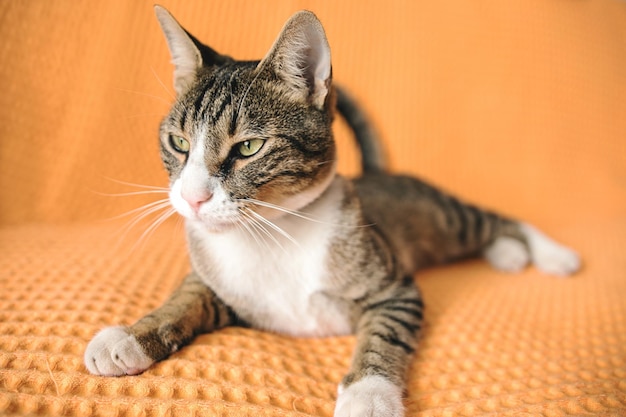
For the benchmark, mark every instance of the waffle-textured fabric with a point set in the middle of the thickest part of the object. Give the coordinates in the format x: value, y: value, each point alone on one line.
x: 516, y: 106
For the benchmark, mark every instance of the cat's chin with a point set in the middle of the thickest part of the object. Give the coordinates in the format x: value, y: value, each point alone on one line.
x: 218, y: 229
x: 212, y: 226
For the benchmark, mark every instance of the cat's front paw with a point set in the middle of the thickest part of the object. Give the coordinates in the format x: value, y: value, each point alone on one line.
x: 372, y: 396
x: 114, y: 352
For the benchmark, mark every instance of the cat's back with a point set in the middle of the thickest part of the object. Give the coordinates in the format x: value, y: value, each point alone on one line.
x: 391, y: 199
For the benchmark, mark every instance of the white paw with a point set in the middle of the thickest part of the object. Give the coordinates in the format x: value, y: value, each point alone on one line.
x: 114, y: 352
x: 507, y: 254
x: 548, y: 255
x: 372, y: 396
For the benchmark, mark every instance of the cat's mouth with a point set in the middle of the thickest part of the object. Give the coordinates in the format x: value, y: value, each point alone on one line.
x: 218, y: 226
x: 214, y: 210
x: 255, y: 218
x: 218, y: 212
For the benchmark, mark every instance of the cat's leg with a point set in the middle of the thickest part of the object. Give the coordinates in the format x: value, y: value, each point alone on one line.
x: 386, y: 339
x: 429, y: 226
x: 193, y: 308
x: 507, y: 244
x: 515, y: 244
x: 548, y: 255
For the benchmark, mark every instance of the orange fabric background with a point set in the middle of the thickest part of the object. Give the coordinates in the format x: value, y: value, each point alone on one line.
x: 517, y: 106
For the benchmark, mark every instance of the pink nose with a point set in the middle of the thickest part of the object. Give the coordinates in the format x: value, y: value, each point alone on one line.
x: 196, y: 199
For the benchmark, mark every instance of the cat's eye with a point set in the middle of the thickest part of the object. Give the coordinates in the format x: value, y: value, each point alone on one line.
x: 250, y: 147
x: 179, y: 144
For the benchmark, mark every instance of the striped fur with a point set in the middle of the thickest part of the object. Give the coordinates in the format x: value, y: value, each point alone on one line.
x: 279, y: 241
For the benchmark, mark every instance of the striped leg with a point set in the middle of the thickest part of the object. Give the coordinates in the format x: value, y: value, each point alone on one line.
x: 386, y: 338
x: 192, y: 309
x: 508, y: 245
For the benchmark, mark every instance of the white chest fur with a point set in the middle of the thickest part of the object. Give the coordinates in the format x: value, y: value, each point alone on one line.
x: 274, y: 282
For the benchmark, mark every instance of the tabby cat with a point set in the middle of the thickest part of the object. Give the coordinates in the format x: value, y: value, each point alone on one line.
x: 279, y: 241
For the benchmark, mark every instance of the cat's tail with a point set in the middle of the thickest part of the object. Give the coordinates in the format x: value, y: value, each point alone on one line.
x: 372, y: 154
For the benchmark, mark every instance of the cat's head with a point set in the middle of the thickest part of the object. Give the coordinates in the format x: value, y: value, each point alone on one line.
x: 245, y: 135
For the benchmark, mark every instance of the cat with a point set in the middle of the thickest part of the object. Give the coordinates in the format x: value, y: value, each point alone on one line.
x: 279, y: 241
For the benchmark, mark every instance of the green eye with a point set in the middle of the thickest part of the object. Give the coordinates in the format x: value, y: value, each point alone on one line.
x: 250, y: 147
x: 179, y: 144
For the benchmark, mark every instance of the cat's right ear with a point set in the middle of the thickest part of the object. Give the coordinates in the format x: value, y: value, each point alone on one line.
x: 301, y: 58
x: 188, y: 54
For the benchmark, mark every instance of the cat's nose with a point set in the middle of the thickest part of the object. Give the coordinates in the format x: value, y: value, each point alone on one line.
x: 196, y: 199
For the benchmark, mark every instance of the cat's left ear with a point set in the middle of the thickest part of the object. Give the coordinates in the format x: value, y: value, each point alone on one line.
x: 188, y: 54
x: 301, y: 58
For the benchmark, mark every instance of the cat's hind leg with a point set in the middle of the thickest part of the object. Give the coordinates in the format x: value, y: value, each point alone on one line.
x: 193, y: 308
x: 512, y: 254
x: 507, y: 244
x: 548, y: 255
x: 507, y: 254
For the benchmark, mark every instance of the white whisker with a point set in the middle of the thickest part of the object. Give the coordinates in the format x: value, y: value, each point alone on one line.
x: 165, y: 191
x: 155, y: 224
x: 140, y: 214
x: 258, y: 226
x: 252, y: 231
x: 143, y: 213
x: 163, y: 203
x: 281, y: 209
x: 149, y: 209
x: 132, y: 184
x: 274, y: 227
x: 179, y: 225
x: 330, y: 161
x: 295, y: 213
x: 159, y: 211
x: 169, y: 93
x: 288, y: 211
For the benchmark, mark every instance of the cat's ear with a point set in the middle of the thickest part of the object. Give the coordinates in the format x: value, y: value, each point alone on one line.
x: 188, y: 54
x: 301, y: 58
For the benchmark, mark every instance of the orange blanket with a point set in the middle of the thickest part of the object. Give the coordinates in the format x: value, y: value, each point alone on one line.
x: 520, y: 107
